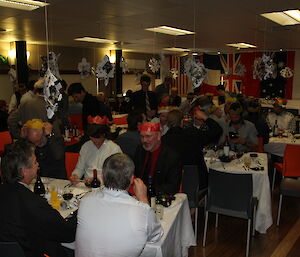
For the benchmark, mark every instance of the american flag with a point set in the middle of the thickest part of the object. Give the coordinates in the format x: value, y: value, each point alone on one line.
x: 232, y: 82
x: 181, y: 82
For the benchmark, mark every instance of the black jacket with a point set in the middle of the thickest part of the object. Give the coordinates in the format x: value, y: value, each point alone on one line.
x: 138, y: 101
x: 167, y: 173
x: 28, y: 219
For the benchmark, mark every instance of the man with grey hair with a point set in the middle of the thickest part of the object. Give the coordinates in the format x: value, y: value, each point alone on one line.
x: 110, y: 221
x: 25, y: 217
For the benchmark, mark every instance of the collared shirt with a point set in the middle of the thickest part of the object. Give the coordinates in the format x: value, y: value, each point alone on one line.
x: 27, y: 96
x: 247, y: 131
x: 112, y: 223
x: 25, y: 185
x: 285, y: 120
x: 93, y: 158
x: 154, y: 157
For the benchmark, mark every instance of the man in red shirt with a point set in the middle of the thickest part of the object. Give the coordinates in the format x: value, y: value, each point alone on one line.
x: 156, y: 161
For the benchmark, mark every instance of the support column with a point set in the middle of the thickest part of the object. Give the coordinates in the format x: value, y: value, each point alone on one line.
x: 21, y: 62
x: 119, y: 74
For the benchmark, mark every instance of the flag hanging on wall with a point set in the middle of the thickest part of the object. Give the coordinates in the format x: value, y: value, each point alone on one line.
x: 182, y: 81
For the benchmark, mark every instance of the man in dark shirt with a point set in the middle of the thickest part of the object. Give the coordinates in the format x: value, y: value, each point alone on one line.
x: 90, y: 104
x: 145, y: 100
x: 156, y: 161
x: 25, y: 217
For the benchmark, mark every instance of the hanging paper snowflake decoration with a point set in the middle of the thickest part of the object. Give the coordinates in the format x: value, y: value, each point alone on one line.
x: 52, y: 64
x: 240, y: 69
x: 84, y: 68
x: 263, y: 67
x: 105, y: 70
x: 52, y: 93
x: 154, y: 65
x: 174, y: 73
x: 124, y: 65
x: 196, y: 71
x: 286, y: 72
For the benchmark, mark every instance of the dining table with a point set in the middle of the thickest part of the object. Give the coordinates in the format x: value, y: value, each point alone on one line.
x: 176, y: 221
x: 277, y: 145
x: 257, y: 165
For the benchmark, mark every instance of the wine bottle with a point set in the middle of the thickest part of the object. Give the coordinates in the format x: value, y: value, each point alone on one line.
x: 39, y: 187
x: 275, y: 129
x: 226, y: 147
x: 151, y: 192
x: 75, y: 131
x: 95, y: 182
x: 67, y: 134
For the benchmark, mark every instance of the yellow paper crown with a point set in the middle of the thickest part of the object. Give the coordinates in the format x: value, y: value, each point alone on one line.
x: 35, y: 124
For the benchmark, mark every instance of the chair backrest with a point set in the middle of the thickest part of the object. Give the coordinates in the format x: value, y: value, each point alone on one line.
x: 229, y: 193
x: 5, y: 138
x: 76, y: 119
x: 291, y: 167
x: 71, y: 160
x: 190, y: 183
x: 11, y: 249
x: 120, y: 119
x: 260, y: 148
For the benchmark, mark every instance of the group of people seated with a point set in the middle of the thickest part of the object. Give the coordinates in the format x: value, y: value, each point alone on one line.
x: 161, y: 139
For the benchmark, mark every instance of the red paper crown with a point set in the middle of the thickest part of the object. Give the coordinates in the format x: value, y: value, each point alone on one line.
x: 149, y: 127
x: 97, y: 120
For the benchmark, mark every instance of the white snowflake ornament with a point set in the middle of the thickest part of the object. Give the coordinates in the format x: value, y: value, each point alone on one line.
x: 105, y: 70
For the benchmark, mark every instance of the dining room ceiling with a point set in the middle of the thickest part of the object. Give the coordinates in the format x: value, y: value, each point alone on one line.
x: 215, y: 22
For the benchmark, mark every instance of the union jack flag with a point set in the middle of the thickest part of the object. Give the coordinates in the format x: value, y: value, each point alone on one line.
x: 231, y: 78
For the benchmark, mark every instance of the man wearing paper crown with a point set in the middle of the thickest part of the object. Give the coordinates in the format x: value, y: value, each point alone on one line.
x: 242, y: 134
x: 49, y: 147
x: 156, y: 162
x: 94, y: 152
x: 285, y: 120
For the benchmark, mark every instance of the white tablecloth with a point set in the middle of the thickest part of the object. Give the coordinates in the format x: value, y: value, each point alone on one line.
x: 277, y: 145
x: 261, y: 186
x: 177, y: 225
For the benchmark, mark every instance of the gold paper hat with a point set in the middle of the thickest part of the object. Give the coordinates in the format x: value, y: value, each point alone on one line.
x: 34, y: 123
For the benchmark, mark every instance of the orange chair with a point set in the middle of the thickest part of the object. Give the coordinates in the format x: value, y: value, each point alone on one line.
x: 289, y: 167
x: 5, y: 138
x: 120, y: 120
x: 76, y: 119
x: 260, y: 147
x: 70, y: 162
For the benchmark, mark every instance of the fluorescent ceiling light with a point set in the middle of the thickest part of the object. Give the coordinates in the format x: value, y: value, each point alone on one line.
x: 295, y: 14
x: 96, y: 40
x: 241, y: 45
x: 281, y: 18
x: 170, y: 31
x: 26, y: 5
x: 177, y: 49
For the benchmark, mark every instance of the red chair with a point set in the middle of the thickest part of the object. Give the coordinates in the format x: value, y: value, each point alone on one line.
x: 5, y: 138
x: 260, y: 147
x: 71, y: 160
x: 76, y: 119
x: 289, y: 167
x: 120, y: 120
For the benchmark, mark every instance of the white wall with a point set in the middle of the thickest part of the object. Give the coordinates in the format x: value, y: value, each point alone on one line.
x: 296, y: 78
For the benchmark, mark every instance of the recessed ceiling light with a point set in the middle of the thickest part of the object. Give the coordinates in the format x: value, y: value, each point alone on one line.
x: 96, y: 40
x: 26, y: 5
x: 171, y: 31
x: 177, y: 49
x: 295, y: 14
x: 241, y: 45
x: 281, y: 18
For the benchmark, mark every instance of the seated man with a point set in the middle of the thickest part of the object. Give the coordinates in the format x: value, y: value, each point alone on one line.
x: 186, y: 105
x: 245, y: 134
x: 25, y: 217
x: 94, y: 152
x: 285, y: 120
x: 162, y: 118
x: 131, y: 139
x: 110, y: 221
x: 49, y: 147
x: 152, y: 159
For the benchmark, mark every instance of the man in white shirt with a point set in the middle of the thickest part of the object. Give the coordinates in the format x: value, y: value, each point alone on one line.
x: 94, y: 152
x: 110, y: 221
x: 163, y: 118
